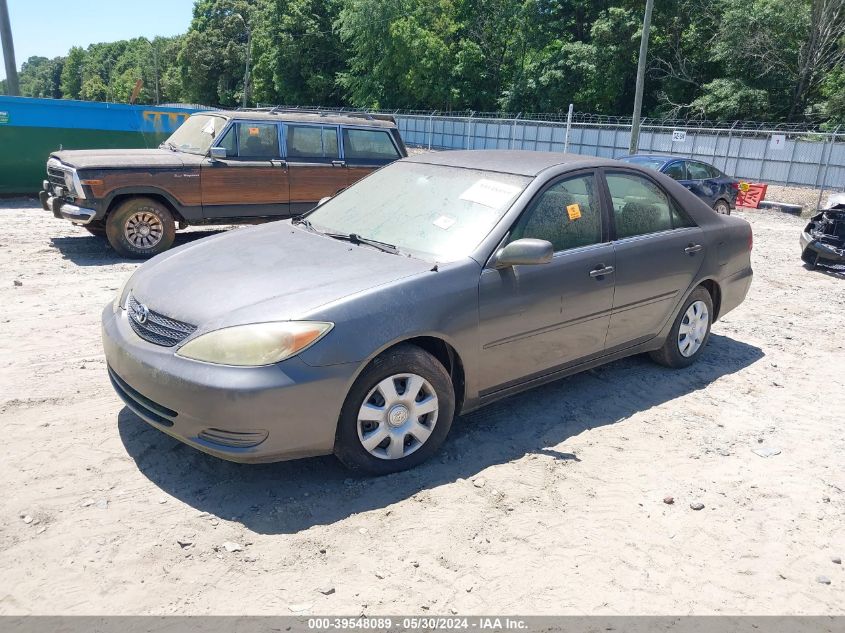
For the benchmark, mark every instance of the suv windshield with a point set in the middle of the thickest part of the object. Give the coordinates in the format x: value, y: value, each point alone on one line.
x: 430, y: 211
x: 196, y: 134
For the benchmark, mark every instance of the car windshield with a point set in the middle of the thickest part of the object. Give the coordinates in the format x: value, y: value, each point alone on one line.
x: 196, y: 134
x: 644, y: 161
x: 433, y: 212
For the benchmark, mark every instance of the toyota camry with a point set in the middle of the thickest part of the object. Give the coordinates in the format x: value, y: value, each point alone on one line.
x: 433, y: 287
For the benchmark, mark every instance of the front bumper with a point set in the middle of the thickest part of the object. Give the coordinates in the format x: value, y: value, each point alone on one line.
x: 825, y: 252
x: 65, y: 210
x: 242, y: 414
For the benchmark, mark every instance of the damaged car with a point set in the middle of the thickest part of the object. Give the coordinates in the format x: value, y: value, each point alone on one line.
x: 823, y: 239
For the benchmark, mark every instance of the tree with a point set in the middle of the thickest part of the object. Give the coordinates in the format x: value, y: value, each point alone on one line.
x: 71, y: 79
x: 297, y: 53
x: 41, y: 77
x: 213, y: 54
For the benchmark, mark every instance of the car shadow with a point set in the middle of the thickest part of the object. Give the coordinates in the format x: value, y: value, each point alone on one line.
x: 288, y: 497
x: 831, y: 270
x: 91, y: 250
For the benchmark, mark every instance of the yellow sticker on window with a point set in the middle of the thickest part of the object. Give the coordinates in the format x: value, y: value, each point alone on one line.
x: 254, y: 131
x: 574, y: 211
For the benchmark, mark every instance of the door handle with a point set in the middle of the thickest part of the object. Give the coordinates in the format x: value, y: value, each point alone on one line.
x: 601, y: 271
x: 692, y: 249
x: 279, y: 163
x: 338, y: 163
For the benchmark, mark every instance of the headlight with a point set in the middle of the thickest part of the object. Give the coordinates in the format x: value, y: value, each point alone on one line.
x: 73, y: 184
x: 118, y: 302
x: 255, y: 344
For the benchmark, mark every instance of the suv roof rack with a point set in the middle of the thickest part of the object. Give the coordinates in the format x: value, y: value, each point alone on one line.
x: 322, y: 112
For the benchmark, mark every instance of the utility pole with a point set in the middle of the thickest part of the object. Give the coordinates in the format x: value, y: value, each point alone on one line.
x: 641, y: 66
x: 8, y: 51
x: 155, y: 65
x: 248, y: 53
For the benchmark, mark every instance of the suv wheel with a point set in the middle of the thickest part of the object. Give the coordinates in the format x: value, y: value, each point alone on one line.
x: 722, y: 207
x: 689, y: 333
x: 140, y: 228
x: 397, y: 414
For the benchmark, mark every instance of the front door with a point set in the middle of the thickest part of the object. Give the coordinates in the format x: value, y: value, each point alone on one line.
x: 658, y: 253
x: 316, y: 170
x: 252, y: 181
x: 535, y: 319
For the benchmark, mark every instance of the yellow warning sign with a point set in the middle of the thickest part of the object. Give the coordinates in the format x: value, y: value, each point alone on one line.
x: 744, y: 186
x: 574, y: 211
x: 254, y: 131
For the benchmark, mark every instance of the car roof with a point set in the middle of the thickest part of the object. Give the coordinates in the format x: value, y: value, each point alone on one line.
x: 352, y: 119
x: 664, y: 157
x: 520, y: 162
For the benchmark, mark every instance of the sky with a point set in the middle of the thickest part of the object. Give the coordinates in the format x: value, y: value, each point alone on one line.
x: 50, y: 27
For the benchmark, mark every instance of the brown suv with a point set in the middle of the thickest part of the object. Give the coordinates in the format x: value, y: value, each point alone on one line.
x: 219, y: 167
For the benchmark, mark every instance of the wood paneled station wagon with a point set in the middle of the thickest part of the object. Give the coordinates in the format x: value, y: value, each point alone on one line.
x: 219, y: 167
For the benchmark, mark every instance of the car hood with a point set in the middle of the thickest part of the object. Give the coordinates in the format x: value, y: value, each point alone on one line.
x: 276, y: 271
x: 125, y: 158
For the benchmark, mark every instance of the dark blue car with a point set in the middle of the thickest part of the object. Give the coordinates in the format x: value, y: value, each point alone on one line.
x: 708, y: 183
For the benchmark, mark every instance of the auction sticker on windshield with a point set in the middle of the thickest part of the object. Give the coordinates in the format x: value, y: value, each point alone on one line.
x: 490, y: 193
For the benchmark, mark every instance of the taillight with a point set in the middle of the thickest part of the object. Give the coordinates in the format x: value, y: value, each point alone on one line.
x: 734, y: 185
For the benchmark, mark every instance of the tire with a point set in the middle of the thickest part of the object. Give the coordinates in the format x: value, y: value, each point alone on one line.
x: 140, y: 228
x: 722, y: 207
x: 677, y: 352
x: 97, y: 230
x: 369, y: 414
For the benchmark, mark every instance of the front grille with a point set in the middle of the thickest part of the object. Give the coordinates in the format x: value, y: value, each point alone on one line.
x: 157, y: 328
x: 56, y: 177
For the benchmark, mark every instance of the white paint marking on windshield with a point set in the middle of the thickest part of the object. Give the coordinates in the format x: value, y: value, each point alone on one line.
x: 490, y: 193
x: 208, y: 128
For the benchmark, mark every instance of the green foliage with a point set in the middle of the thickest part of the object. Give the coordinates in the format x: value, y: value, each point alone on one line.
x: 721, y: 59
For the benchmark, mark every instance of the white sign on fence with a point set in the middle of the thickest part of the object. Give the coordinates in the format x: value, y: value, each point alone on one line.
x: 679, y: 136
x: 778, y: 141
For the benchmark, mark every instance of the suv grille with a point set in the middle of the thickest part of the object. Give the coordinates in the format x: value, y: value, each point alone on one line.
x: 157, y: 328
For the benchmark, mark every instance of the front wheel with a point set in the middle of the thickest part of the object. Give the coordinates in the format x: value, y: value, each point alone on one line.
x: 140, y: 228
x: 689, y: 333
x: 722, y: 207
x: 397, y: 414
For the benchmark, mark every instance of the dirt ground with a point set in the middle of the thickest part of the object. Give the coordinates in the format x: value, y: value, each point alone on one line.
x: 549, y: 502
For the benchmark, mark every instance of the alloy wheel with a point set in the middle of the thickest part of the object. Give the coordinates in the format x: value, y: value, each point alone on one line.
x: 143, y: 229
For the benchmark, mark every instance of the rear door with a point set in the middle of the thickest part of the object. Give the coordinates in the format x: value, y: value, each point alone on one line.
x: 536, y: 319
x: 315, y: 167
x: 252, y: 181
x: 701, y: 182
x: 658, y: 250
x: 367, y: 149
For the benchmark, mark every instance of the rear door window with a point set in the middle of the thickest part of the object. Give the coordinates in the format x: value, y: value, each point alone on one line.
x: 640, y: 207
x: 311, y: 143
x: 368, y: 146
x: 698, y: 171
x: 676, y: 170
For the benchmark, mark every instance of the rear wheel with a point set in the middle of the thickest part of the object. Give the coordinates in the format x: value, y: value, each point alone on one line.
x: 397, y: 414
x: 722, y: 207
x: 141, y: 228
x: 689, y: 333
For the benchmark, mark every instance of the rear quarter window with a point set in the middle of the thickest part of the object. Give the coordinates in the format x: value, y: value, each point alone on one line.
x: 369, y: 145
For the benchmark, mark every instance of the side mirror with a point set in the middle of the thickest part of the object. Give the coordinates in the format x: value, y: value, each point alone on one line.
x: 323, y: 201
x: 525, y: 252
x: 218, y: 152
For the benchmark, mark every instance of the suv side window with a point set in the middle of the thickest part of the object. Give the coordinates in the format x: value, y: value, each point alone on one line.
x: 567, y: 214
x: 676, y: 170
x: 368, y: 145
x: 312, y: 143
x: 640, y: 207
x: 258, y: 140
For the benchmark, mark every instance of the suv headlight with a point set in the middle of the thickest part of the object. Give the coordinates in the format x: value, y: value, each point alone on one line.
x: 73, y: 185
x: 256, y: 344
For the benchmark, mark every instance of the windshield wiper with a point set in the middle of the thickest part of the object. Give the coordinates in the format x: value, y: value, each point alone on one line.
x: 169, y: 146
x: 354, y: 238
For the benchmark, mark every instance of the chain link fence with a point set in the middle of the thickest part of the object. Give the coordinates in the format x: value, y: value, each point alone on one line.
x: 785, y: 154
